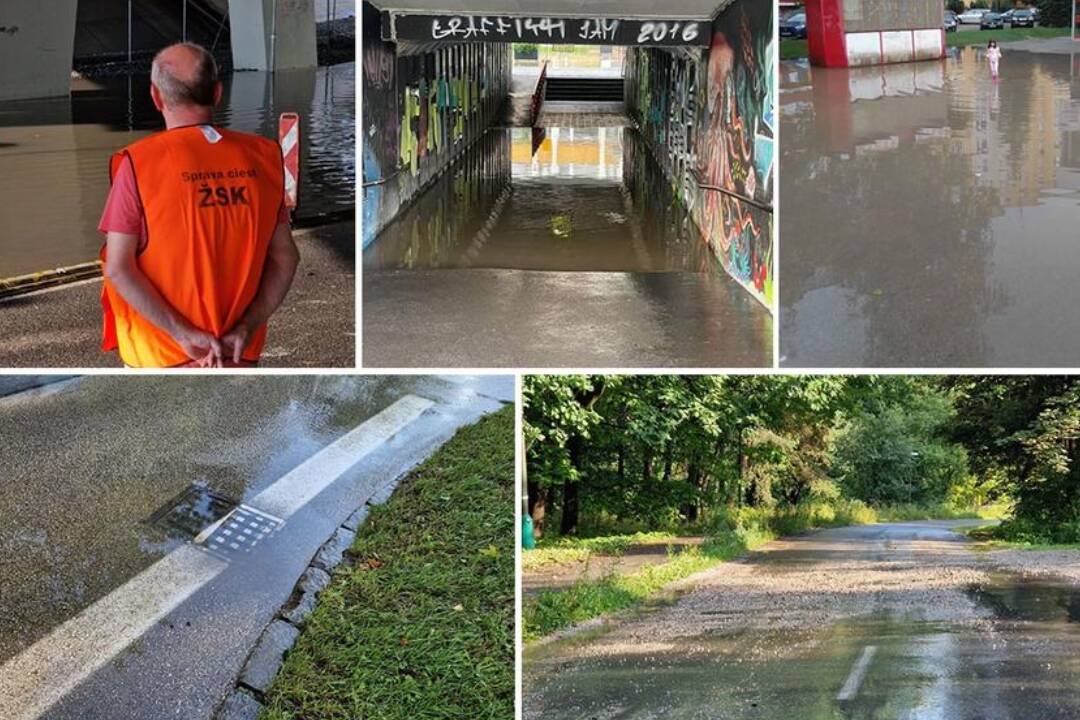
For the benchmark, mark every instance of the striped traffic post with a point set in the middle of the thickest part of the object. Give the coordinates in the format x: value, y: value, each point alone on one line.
x: 289, y: 139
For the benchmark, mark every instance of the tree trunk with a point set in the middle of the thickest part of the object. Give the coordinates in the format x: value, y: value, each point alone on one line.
x: 570, y: 509
x: 692, y: 477
x: 538, y: 497
x: 571, y: 490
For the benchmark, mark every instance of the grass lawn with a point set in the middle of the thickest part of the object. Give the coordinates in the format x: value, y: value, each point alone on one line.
x: 963, y: 39
x: 422, y: 626
x: 571, y: 549
x: 554, y: 610
x: 796, y: 49
x: 992, y: 537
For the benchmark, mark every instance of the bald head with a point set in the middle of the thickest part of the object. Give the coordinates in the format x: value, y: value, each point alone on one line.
x: 186, y: 75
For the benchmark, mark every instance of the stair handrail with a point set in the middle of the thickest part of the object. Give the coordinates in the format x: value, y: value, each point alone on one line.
x: 538, y: 94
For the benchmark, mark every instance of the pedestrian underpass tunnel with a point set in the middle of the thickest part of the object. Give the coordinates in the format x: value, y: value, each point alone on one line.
x: 568, y: 136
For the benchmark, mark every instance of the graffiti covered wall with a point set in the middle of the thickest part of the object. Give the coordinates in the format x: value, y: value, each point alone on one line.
x: 709, y: 119
x: 422, y: 107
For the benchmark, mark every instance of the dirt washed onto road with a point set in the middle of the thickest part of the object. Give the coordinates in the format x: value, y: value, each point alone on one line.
x: 1062, y: 564
x: 812, y: 581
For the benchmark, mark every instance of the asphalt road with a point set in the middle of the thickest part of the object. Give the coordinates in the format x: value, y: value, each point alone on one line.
x: 108, y: 612
x: 883, y: 622
x: 492, y: 318
x: 314, y: 328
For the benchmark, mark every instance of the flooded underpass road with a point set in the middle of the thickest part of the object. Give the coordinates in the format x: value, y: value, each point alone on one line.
x: 929, y: 213
x: 880, y: 622
x: 110, y: 607
x: 575, y: 254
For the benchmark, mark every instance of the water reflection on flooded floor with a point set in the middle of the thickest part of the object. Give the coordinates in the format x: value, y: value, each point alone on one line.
x: 929, y: 212
x: 54, y: 153
x: 583, y: 201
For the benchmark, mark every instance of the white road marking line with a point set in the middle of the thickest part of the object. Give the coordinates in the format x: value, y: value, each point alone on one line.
x: 857, y: 674
x: 297, y: 487
x: 40, y: 676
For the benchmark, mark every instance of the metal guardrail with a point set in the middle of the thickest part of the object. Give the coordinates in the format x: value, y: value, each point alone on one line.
x: 380, y: 181
x: 738, y: 196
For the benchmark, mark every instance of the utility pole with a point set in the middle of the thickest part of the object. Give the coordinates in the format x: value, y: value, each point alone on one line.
x: 273, y: 38
x: 129, y: 30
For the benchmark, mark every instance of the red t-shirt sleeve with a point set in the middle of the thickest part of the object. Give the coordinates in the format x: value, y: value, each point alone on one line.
x: 123, y: 211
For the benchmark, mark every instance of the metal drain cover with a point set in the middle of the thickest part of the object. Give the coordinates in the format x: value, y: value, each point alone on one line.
x: 239, y: 531
x: 191, y: 512
x: 213, y: 521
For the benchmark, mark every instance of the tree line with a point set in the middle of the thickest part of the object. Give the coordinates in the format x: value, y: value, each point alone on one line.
x: 657, y: 451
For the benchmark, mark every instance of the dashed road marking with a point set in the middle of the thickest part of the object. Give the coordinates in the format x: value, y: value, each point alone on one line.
x: 857, y: 674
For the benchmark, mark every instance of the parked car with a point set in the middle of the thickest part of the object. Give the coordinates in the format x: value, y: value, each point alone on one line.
x: 794, y: 26
x: 950, y: 21
x: 1007, y: 15
x: 1023, y: 18
x: 972, y: 16
x: 991, y: 21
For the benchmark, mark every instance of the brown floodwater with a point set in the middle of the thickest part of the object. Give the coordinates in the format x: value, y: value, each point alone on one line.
x: 928, y: 213
x: 587, y: 200
x: 54, y: 153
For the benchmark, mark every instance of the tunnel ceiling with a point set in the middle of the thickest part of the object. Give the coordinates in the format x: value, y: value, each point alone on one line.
x: 629, y: 9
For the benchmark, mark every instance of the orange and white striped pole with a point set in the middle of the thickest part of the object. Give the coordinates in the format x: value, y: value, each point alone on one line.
x: 289, y: 139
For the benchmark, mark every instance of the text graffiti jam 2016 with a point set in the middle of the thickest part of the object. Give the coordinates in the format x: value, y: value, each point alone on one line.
x: 576, y: 31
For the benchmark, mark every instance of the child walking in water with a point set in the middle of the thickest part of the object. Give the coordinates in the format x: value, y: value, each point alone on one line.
x: 993, y: 54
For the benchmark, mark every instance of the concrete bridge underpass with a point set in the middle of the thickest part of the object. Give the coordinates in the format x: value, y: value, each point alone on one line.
x: 40, y: 39
x: 536, y: 205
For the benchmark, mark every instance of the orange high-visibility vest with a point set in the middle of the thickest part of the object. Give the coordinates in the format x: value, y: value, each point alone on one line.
x: 211, y: 199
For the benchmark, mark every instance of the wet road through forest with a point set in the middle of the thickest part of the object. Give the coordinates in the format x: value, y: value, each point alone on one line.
x: 575, y: 255
x: 880, y: 622
x: 929, y: 213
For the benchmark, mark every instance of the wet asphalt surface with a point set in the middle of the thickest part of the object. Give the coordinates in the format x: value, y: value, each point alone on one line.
x: 888, y: 622
x: 552, y: 260
x: 315, y: 327
x: 89, y: 462
x: 928, y: 212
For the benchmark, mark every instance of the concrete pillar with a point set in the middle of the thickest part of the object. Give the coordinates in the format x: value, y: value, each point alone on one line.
x: 849, y: 33
x: 252, y: 23
x: 37, y: 43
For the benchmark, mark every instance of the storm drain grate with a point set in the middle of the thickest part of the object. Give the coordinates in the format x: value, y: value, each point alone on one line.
x: 213, y: 521
x: 192, y: 511
x: 239, y: 531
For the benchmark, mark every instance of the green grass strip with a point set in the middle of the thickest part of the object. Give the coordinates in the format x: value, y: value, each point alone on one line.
x: 554, y: 610
x: 567, y: 550
x: 963, y: 39
x: 422, y: 627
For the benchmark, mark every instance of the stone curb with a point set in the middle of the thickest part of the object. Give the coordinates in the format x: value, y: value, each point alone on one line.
x: 245, y: 701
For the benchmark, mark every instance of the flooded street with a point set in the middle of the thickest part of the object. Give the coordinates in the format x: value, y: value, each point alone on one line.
x: 928, y: 213
x: 103, y: 489
x: 577, y: 250
x: 55, y: 153
x: 882, y: 622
